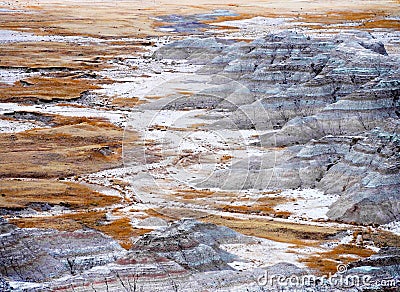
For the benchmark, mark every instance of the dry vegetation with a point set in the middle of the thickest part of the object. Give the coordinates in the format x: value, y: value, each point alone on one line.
x: 196, y: 194
x: 46, y: 88
x: 120, y: 229
x: 327, y: 262
x: 223, y: 201
x: 62, y: 55
x: 171, y: 214
x: 82, y: 146
x: 263, y: 206
x: 225, y: 158
x: 127, y: 102
x: 299, y: 236
x: 275, y: 230
x: 131, y: 18
x: 23, y: 193
x: 351, y: 19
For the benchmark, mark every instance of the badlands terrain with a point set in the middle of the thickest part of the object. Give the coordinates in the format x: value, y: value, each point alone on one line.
x: 199, y: 146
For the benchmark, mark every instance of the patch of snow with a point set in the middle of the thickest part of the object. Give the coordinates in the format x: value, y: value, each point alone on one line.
x: 393, y: 227
x: 173, y: 118
x: 347, y: 239
x: 5, y: 10
x: 167, y: 29
x: 10, y: 76
x: 365, y: 269
x: 373, y: 248
x: 253, y: 28
x: 150, y: 223
x: 255, y: 22
x: 262, y: 254
x: 15, y: 127
x: 309, y: 203
x: 241, y: 266
x: 115, y: 117
x: 10, y: 36
x: 147, y: 79
x: 25, y: 286
x: 106, y: 190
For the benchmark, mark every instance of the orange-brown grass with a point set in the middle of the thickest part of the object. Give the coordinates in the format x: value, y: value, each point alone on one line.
x: 282, y: 214
x: 166, y: 128
x: 132, y: 18
x: 276, y: 148
x: 241, y: 16
x: 278, y: 231
x: 243, y: 40
x: 336, y: 17
x: 383, y: 23
x: 120, y: 229
x: 20, y: 193
x: 65, y: 150
x: 105, y: 20
x: 231, y: 18
x: 382, y: 238
x: 156, y: 24
x: 226, y: 158
x: 127, y: 102
x: 61, y: 55
x: 352, y: 15
x: 372, y: 24
x: 263, y: 206
x: 257, y: 209
x: 119, y: 182
x: 194, y: 194
x: 71, y: 105
x: 175, y: 213
x: 185, y: 92
x: 59, y: 120
x: 367, y: 19
x: 197, y: 125
x: 46, y: 88
x: 154, y: 96
x: 271, y: 192
x: 327, y: 262
x: 159, y: 214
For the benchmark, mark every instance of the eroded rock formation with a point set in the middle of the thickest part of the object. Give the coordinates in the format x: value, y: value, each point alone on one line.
x: 331, y: 104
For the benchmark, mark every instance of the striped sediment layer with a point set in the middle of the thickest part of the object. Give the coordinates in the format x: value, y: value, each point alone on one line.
x: 331, y: 105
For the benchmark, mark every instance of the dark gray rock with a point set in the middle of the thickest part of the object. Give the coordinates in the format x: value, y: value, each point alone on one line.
x: 192, y: 244
x: 4, y: 285
x: 319, y: 94
x: 37, y: 255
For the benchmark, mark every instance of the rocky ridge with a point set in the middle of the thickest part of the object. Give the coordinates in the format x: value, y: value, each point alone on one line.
x: 174, y: 258
x: 331, y: 104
